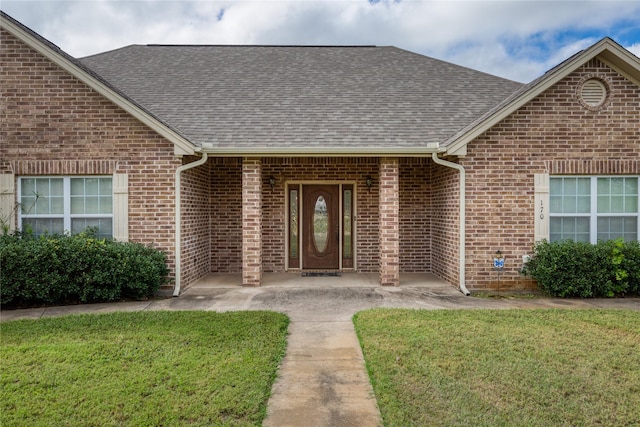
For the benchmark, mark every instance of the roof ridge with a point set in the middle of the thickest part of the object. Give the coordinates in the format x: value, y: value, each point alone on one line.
x: 260, y: 45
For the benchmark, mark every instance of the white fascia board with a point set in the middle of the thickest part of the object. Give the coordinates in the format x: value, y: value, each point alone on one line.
x: 322, y: 151
x: 460, y: 151
x: 181, y: 145
x: 622, y: 61
x: 616, y: 57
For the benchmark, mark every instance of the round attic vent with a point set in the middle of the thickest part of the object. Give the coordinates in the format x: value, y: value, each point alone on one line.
x: 593, y: 93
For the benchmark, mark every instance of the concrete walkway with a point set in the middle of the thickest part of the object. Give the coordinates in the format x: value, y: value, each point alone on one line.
x: 322, y: 380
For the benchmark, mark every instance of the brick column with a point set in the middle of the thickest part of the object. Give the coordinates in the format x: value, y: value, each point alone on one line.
x: 389, y: 222
x: 251, y: 222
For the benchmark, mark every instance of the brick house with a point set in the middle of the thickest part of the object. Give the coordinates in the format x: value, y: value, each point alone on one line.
x: 258, y: 159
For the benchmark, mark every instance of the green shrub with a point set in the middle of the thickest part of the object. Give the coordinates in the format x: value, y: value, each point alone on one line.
x: 579, y: 269
x: 54, y: 269
x: 631, y: 264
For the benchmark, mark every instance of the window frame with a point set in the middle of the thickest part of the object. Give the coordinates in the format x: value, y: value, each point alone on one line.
x: 66, y: 216
x: 593, y: 213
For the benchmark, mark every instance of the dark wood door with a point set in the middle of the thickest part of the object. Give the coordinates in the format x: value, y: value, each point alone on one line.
x: 321, y: 227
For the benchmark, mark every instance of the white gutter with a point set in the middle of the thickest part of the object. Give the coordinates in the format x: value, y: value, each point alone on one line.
x: 178, y: 220
x: 462, y: 226
x: 323, y: 151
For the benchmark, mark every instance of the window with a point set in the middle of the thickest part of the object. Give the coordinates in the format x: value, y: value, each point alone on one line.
x: 294, y: 255
x: 60, y: 204
x: 589, y: 209
x: 348, y: 231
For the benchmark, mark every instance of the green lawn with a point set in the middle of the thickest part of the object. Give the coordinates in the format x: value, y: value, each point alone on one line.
x: 503, y: 368
x: 140, y: 369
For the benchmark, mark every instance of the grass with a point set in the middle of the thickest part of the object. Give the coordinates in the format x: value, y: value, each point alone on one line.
x: 503, y: 368
x: 140, y: 369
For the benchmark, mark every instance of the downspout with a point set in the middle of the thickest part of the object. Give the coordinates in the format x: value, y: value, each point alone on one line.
x: 178, y: 246
x: 463, y: 221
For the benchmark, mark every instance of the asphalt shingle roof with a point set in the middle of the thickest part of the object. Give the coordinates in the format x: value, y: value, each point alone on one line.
x: 252, y: 97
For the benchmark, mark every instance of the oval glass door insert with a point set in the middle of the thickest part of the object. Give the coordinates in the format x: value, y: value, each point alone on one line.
x: 320, y: 224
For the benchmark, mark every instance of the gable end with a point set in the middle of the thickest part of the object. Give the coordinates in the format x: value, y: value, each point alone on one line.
x: 607, y: 51
x: 181, y: 145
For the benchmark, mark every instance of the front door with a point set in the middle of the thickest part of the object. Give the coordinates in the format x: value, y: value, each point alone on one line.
x: 321, y: 226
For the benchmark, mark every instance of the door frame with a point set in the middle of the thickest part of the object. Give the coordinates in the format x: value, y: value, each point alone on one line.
x: 354, y: 234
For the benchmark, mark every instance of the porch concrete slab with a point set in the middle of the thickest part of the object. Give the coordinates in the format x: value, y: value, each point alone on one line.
x: 296, y: 279
x: 291, y: 279
x: 218, y: 280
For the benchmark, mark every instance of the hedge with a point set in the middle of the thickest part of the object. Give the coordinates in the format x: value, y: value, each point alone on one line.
x: 579, y: 269
x: 59, y: 269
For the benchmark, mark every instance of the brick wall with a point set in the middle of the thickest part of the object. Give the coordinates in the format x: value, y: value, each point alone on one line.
x: 445, y: 236
x: 389, y: 222
x: 556, y: 134
x: 196, y: 221
x: 52, y: 124
x: 251, y: 222
x: 226, y: 209
x: 226, y: 215
x: 320, y: 169
x: 415, y: 215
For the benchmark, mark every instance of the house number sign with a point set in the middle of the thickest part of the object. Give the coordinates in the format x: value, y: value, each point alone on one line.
x: 541, y: 209
x: 498, y: 261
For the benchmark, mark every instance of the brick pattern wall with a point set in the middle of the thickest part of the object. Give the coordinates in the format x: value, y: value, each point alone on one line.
x: 274, y: 215
x: 196, y: 222
x: 555, y: 134
x: 320, y: 169
x: 62, y: 167
x: 251, y: 222
x: 226, y: 210
x: 226, y: 215
x: 51, y: 123
x: 415, y: 215
x: 389, y: 222
x: 445, y: 217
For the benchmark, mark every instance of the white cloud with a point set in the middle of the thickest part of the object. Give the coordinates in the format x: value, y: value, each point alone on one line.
x: 635, y: 49
x: 515, y: 39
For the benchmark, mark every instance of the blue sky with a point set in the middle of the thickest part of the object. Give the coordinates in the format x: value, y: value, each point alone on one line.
x: 515, y: 39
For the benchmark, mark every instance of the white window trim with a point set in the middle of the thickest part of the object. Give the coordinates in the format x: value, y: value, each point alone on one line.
x: 8, y: 201
x: 120, y: 185
x: 541, y: 207
x: 593, y: 213
x: 67, y: 216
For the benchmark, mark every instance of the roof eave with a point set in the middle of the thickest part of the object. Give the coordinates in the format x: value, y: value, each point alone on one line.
x: 606, y: 49
x: 623, y: 62
x: 322, y: 151
x: 181, y: 145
